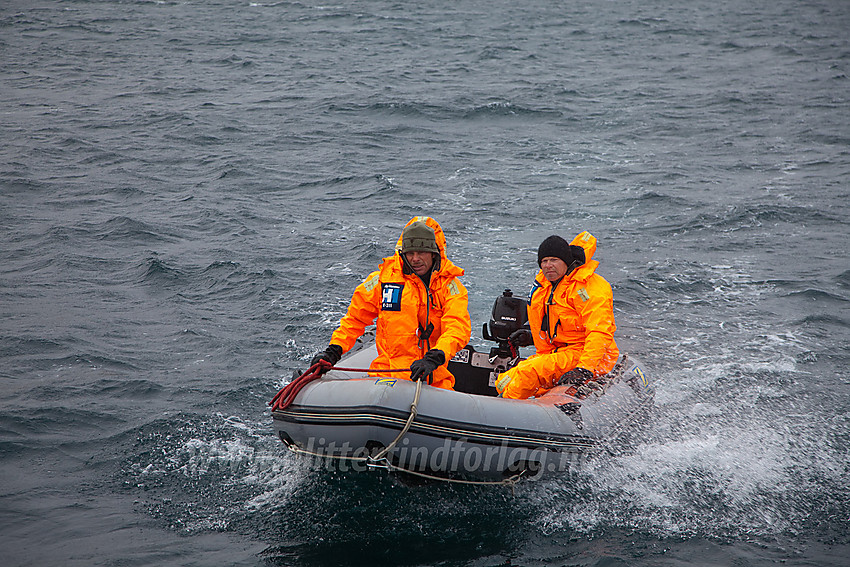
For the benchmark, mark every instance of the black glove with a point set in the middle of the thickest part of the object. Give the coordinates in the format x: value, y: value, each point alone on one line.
x: 575, y: 377
x: 521, y: 338
x: 586, y: 389
x: 422, y: 369
x: 332, y: 354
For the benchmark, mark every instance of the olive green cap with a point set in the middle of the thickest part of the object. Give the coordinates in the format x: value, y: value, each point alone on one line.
x: 418, y: 237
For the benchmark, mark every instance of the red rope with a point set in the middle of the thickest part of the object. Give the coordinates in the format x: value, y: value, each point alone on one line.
x: 370, y: 369
x: 284, y: 398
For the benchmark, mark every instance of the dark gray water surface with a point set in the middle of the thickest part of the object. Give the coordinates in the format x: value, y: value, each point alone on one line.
x: 190, y: 191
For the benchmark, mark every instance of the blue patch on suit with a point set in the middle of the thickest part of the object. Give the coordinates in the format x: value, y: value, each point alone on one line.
x: 534, y: 288
x: 391, y: 296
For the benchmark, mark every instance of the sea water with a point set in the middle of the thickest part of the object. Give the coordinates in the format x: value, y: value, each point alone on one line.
x: 191, y: 190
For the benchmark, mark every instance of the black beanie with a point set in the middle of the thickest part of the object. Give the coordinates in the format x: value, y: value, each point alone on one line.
x: 557, y: 247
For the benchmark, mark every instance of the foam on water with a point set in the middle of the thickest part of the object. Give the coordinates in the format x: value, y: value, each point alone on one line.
x: 192, y: 190
x: 723, y: 455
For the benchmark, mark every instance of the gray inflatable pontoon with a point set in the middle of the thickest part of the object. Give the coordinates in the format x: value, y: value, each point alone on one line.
x: 468, y: 433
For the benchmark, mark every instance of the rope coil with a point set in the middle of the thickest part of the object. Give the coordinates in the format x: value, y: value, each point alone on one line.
x: 284, y: 398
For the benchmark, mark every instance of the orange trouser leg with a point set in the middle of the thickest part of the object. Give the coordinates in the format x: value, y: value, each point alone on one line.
x: 535, y: 372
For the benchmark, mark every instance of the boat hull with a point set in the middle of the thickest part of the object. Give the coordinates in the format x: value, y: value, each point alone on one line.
x: 348, y: 418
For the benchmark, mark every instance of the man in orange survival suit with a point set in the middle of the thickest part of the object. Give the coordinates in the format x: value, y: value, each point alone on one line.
x: 421, y: 308
x: 571, y: 320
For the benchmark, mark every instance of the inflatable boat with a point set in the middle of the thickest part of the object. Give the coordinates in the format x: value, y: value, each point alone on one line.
x: 468, y: 434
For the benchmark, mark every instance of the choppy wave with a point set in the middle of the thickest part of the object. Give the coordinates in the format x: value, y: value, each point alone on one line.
x: 496, y: 109
x: 191, y: 191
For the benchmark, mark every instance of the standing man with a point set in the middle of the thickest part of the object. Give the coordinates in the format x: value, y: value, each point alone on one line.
x: 420, y: 305
x: 571, y: 320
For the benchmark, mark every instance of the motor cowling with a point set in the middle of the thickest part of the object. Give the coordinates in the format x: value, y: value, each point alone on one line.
x: 509, y: 314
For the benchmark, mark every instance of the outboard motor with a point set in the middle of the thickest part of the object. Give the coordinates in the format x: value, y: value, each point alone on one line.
x: 509, y: 315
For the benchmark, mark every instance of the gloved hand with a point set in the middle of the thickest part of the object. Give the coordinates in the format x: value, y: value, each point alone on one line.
x: 332, y: 354
x: 575, y: 377
x: 422, y: 369
x: 521, y: 338
x: 586, y: 389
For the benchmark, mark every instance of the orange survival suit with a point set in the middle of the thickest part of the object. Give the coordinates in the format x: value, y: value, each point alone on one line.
x: 405, y: 307
x: 581, y: 328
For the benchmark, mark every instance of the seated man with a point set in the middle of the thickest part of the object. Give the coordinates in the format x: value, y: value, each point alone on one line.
x: 571, y: 320
x: 420, y: 305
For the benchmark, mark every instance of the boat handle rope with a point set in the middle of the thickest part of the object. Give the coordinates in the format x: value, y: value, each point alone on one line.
x: 284, y: 398
x: 385, y: 451
x: 511, y: 481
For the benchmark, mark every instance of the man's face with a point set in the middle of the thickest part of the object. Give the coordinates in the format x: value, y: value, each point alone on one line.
x: 553, y: 268
x: 420, y: 262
